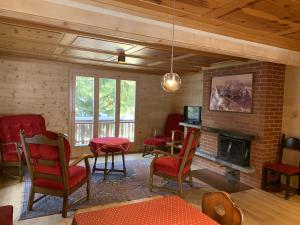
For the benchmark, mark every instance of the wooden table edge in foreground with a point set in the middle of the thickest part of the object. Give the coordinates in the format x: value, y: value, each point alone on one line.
x: 156, y: 210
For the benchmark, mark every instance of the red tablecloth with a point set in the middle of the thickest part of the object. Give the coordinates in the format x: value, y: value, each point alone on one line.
x: 97, y: 143
x: 163, y: 211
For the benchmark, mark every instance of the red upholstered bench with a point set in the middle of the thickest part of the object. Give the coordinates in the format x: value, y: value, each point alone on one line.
x: 6, y: 215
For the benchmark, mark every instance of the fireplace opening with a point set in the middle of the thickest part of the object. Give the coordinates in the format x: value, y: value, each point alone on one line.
x: 234, y: 150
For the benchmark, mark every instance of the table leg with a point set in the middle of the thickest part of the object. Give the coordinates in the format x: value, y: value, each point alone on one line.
x: 112, y: 161
x: 124, y: 167
x: 105, y: 169
x: 95, y: 162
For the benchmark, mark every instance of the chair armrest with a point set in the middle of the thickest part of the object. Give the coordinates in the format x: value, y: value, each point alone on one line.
x: 80, y: 158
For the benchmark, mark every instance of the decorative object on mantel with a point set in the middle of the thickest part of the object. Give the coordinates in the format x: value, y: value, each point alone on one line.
x: 171, y: 82
x: 231, y: 93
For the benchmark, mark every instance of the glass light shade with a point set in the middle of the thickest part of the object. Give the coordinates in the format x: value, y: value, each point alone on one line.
x: 171, y: 82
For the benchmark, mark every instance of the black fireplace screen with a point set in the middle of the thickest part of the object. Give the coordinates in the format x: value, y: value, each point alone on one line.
x: 234, y: 150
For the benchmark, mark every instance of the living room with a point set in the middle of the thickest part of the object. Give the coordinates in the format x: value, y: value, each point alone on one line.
x: 98, y: 71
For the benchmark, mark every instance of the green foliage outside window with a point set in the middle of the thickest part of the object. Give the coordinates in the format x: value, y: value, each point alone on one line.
x: 84, y: 100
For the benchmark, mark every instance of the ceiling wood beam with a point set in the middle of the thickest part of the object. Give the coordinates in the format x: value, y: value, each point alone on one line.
x: 187, y: 17
x: 82, y: 18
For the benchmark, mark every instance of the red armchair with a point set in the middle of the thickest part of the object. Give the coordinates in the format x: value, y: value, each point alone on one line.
x: 173, y: 133
x: 11, y: 153
x: 176, y: 167
x: 48, y: 161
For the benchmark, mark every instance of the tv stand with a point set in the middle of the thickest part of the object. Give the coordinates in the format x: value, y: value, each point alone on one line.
x: 188, y: 125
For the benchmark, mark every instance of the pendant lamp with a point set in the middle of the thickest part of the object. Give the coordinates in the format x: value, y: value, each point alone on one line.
x: 171, y: 81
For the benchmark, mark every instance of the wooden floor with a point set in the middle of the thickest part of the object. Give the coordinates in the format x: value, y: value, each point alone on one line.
x: 259, y: 207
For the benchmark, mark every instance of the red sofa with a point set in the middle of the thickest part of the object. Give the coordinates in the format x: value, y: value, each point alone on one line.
x: 11, y: 153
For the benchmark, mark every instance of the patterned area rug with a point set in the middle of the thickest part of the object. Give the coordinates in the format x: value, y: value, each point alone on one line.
x: 116, y: 188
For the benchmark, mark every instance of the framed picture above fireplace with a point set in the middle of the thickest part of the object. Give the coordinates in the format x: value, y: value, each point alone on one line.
x: 231, y: 93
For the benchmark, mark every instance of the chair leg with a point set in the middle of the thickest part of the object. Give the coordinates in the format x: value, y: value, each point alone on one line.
x: 299, y: 184
x: 65, y: 206
x: 21, y: 171
x: 95, y: 162
x: 287, y: 187
x: 180, y: 187
x: 31, y: 198
x: 88, y: 188
x: 264, y: 179
x: 105, y: 168
x: 151, y: 178
x: 190, y: 179
x: 145, y: 150
x: 124, y: 166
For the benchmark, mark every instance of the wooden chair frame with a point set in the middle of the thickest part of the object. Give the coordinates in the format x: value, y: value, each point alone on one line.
x: 43, y: 140
x: 18, y: 164
x: 220, y: 207
x: 290, y: 143
x: 180, y: 177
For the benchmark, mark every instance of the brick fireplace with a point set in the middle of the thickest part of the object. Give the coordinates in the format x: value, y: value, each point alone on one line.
x: 264, y: 121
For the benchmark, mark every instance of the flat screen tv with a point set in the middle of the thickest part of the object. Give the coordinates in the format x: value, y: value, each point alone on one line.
x: 192, y: 114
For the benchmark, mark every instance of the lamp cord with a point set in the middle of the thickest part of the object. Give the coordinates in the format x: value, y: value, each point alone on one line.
x: 173, y: 31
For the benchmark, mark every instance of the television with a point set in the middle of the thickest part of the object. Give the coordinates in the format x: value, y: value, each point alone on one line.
x: 192, y: 114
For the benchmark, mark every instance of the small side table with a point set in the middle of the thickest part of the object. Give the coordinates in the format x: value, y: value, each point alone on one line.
x: 109, y: 145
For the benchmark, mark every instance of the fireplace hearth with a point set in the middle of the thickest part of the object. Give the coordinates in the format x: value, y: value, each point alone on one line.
x: 234, y: 150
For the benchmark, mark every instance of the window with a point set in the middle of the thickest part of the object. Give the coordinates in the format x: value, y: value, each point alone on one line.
x: 127, y: 109
x: 104, y: 107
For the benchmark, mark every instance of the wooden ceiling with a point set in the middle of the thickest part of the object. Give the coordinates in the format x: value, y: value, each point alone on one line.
x: 36, y: 41
x: 272, y: 22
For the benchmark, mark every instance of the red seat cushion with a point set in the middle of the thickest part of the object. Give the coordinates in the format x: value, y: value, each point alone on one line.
x: 76, y: 175
x: 168, y: 165
x: 157, y: 141
x: 283, y: 168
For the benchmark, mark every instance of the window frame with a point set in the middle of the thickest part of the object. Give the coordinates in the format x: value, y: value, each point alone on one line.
x: 97, y: 75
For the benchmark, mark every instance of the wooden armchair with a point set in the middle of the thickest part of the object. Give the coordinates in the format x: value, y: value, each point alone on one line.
x: 172, y: 135
x: 176, y: 167
x: 50, y: 170
x: 219, y: 206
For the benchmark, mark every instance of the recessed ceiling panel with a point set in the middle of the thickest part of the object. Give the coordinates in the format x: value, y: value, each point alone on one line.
x: 86, y: 54
x: 150, y: 52
x: 106, y: 45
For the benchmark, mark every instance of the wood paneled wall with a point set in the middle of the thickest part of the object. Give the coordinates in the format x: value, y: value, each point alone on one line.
x: 190, y: 93
x: 291, y: 113
x: 38, y: 88
x: 42, y: 87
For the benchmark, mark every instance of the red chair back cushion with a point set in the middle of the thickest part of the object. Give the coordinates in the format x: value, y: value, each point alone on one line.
x: 172, y: 123
x: 10, y: 127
